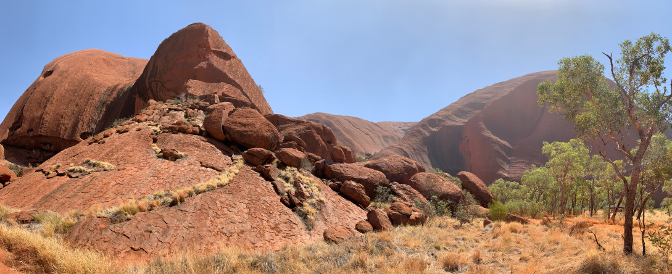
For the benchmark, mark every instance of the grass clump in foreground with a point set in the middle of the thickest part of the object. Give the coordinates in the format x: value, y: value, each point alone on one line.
x: 440, y: 246
x: 34, y: 253
x: 297, y: 181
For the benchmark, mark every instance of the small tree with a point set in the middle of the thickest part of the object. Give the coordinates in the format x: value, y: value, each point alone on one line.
x: 602, y: 115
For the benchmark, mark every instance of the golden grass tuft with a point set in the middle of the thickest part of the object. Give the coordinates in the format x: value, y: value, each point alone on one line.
x: 452, y: 262
x: 38, y: 254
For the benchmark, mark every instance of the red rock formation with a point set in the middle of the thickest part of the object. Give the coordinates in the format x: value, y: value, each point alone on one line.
x: 433, y: 185
x: 369, y: 178
x: 477, y: 188
x: 493, y: 132
x: 75, y: 96
x: 247, y: 127
x: 195, y: 61
x: 246, y: 213
x: 362, y: 136
x: 6, y: 174
x: 396, y: 168
x: 379, y: 220
x: 337, y: 234
x: 313, y: 137
x: 290, y: 156
x: 403, y: 213
x: 355, y: 192
x: 400, y: 128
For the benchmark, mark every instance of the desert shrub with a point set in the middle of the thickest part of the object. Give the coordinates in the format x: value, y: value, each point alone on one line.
x: 360, y: 159
x: 434, y: 207
x: 15, y: 168
x: 307, y: 165
x: 525, y: 208
x: 452, y: 262
x: 661, y: 238
x: 497, y: 211
x: 118, y: 122
x: 53, y: 222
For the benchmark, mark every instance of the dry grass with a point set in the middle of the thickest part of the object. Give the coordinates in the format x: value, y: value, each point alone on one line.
x: 33, y: 253
x: 292, y: 178
x: 440, y: 246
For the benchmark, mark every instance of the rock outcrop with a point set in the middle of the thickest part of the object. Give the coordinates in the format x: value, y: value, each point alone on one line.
x: 196, y: 62
x: 76, y: 95
x: 431, y: 185
x: 494, y: 132
x: 247, y: 127
x: 364, y: 137
x: 396, y: 168
x: 369, y: 178
x: 476, y: 187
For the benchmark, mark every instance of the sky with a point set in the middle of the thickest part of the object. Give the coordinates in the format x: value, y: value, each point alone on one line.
x: 380, y: 60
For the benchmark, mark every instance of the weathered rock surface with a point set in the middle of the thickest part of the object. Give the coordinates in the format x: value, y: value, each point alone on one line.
x: 494, y: 132
x: 258, y: 156
x: 246, y: 213
x: 379, y: 220
x: 402, y: 213
x: 6, y: 174
x: 400, y: 128
x: 215, y: 119
x: 364, y: 137
x: 22, y: 217
x: 396, y: 168
x: 337, y: 234
x: 476, y: 187
x: 195, y: 61
x: 247, y: 127
x: 364, y: 227
x: 515, y: 218
x: 434, y: 185
x: 289, y: 156
x: 139, y: 172
x: 355, y: 192
x: 76, y: 95
x: 369, y: 178
x: 405, y: 193
x: 317, y: 138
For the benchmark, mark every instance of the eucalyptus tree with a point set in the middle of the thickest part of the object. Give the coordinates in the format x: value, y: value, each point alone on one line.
x: 567, y: 165
x: 602, y: 114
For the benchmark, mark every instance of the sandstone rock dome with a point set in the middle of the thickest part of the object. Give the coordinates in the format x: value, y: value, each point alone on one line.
x: 195, y: 61
x: 75, y: 96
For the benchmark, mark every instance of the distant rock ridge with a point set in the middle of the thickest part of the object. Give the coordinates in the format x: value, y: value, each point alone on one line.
x: 364, y: 137
x: 494, y: 132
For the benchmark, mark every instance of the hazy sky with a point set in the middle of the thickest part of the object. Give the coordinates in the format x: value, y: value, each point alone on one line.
x: 378, y: 60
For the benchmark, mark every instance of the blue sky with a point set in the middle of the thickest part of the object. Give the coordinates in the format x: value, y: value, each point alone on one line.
x: 381, y: 60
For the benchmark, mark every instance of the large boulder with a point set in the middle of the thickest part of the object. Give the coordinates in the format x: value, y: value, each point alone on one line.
x: 396, y: 168
x: 76, y: 96
x: 476, y: 187
x: 405, y: 193
x: 430, y: 185
x: 215, y: 119
x: 196, y: 62
x: 6, y: 174
x: 316, y: 138
x: 247, y: 127
x: 355, y: 192
x: 379, y: 220
x: 290, y: 156
x: 402, y: 213
x: 369, y: 178
x: 337, y: 234
x: 258, y: 156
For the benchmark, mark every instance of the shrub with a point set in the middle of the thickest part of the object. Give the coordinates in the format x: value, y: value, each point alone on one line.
x: 14, y: 168
x: 360, y: 159
x: 497, y: 211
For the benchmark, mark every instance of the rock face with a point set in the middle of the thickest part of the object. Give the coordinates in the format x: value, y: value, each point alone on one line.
x: 379, y: 220
x: 355, y: 192
x: 75, y: 96
x: 6, y: 174
x: 311, y: 137
x: 396, y: 168
x: 402, y: 213
x: 433, y: 185
x: 247, y: 213
x: 369, y: 178
x: 476, y: 187
x: 247, y: 127
x: 195, y: 61
x: 363, y: 137
x: 337, y: 234
x: 494, y: 132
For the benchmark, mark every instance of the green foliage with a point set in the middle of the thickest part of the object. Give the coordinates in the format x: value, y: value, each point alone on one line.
x: 383, y: 195
x: 360, y: 159
x: 602, y: 114
x: 261, y: 89
x: 497, y: 211
x: 434, y: 207
x: 661, y: 238
x: 15, y: 168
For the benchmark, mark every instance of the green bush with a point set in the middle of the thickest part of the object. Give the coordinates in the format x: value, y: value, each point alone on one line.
x: 497, y: 211
x: 360, y: 159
